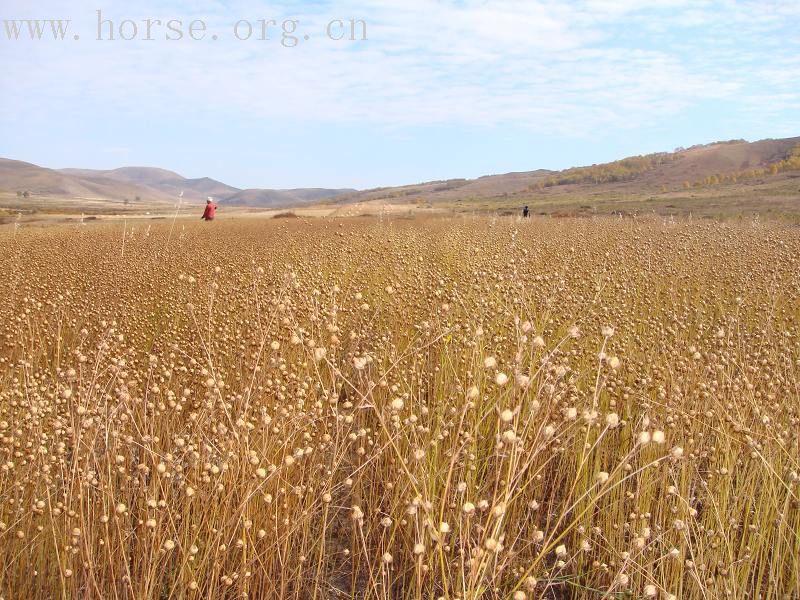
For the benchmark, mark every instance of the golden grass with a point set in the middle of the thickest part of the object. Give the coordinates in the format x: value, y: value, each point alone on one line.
x: 465, y: 408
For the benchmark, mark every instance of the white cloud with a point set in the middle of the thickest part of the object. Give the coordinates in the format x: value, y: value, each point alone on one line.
x: 567, y: 67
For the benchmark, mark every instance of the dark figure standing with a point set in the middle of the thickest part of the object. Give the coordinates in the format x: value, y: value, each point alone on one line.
x: 526, y: 213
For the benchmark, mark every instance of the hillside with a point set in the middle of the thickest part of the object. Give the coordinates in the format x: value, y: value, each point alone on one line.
x: 732, y: 177
x: 655, y: 173
x: 141, y: 186
x: 281, y: 198
x: 18, y: 176
x: 161, y: 181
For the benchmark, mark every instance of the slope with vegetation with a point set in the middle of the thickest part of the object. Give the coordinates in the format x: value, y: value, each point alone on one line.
x: 720, y: 179
x: 142, y: 186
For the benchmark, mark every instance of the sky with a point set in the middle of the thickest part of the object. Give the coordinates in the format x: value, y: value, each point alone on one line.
x: 439, y: 89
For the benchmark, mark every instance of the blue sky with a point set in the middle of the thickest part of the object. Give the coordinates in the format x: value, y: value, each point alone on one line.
x: 440, y: 89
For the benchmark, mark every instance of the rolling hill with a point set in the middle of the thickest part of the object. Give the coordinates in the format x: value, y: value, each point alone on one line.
x: 143, y: 185
x: 18, y: 176
x: 655, y: 173
x: 162, y: 182
x: 280, y: 198
x: 735, y: 175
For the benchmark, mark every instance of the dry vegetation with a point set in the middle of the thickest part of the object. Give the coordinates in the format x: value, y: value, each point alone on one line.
x: 629, y: 169
x: 466, y: 409
x: 626, y: 169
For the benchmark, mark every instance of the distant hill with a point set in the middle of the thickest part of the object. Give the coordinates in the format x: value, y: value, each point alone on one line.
x: 18, y: 176
x: 709, y: 171
x: 279, y: 198
x: 161, y: 182
x: 721, y: 160
x: 685, y: 167
x: 136, y: 175
x: 143, y: 184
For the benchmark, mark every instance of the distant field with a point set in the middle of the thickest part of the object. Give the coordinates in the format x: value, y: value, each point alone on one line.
x: 776, y: 198
x: 469, y: 407
x: 40, y: 211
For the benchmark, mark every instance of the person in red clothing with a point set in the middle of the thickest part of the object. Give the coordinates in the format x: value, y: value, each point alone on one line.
x: 210, y: 212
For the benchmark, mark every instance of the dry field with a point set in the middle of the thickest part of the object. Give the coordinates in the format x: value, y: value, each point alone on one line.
x: 394, y: 409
